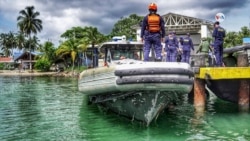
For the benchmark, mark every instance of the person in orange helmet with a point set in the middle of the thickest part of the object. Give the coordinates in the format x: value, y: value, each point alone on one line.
x: 152, y: 32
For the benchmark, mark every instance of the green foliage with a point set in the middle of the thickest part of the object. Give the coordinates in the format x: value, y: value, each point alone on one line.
x: 236, y: 38
x: 28, y: 22
x: 1, y: 66
x: 43, y: 64
x: 48, y: 51
x: 126, y: 26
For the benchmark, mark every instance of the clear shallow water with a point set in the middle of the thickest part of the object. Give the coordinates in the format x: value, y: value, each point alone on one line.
x: 50, y: 108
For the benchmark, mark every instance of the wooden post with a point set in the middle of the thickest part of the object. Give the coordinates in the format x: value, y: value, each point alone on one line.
x: 199, y: 94
x: 244, y: 95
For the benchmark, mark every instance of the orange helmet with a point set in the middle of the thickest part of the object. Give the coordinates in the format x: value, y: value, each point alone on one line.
x: 152, y: 6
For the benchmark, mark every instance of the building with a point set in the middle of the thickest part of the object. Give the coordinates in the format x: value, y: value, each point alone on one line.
x: 24, y: 59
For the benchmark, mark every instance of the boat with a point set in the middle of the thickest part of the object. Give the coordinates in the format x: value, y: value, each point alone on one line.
x: 131, y: 87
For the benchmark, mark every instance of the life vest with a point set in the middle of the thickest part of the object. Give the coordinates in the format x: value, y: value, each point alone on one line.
x: 153, y: 23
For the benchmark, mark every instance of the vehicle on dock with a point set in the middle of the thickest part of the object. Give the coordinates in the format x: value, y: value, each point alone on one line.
x: 131, y: 87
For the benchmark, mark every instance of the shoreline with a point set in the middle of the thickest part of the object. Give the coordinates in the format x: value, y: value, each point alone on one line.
x: 35, y: 73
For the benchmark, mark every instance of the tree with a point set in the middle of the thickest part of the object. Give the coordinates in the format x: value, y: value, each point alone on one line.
x: 48, y: 51
x: 8, y: 43
x: 34, y: 43
x: 245, y: 32
x: 4, y: 44
x: 232, y: 39
x: 126, y: 26
x: 91, y: 36
x: 28, y: 24
x: 20, y: 39
x: 70, y: 47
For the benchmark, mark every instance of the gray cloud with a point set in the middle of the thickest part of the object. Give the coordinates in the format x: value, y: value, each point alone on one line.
x: 60, y: 15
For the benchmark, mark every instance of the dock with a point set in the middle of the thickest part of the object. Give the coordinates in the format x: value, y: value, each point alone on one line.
x: 227, y: 83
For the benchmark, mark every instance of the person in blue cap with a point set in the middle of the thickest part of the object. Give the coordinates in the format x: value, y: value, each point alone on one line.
x: 187, y: 45
x: 219, y: 35
x: 152, y: 32
x: 171, y: 47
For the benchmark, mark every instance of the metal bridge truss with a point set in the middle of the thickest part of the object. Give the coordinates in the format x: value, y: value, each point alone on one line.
x: 183, y: 24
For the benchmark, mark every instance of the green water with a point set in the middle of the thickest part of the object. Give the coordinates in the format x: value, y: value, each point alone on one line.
x: 43, y: 108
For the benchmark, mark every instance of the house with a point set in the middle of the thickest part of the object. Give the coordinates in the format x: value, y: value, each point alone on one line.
x: 24, y: 60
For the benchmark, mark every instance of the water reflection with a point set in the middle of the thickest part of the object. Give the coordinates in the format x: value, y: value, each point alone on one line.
x: 37, y: 108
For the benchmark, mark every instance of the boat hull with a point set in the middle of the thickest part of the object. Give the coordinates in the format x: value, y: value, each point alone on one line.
x: 142, y: 106
x: 227, y: 90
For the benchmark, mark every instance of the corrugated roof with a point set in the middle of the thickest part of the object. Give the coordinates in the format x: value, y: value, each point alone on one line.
x: 6, y: 60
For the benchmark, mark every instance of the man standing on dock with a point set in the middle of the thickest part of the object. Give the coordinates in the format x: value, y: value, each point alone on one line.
x: 219, y: 35
x: 152, y: 32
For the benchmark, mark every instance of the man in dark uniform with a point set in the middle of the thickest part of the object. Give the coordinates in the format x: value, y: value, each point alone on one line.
x: 152, y: 32
x: 187, y: 45
x: 171, y: 47
x: 219, y: 35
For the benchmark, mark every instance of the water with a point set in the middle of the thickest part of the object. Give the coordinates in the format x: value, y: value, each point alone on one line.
x: 51, y: 108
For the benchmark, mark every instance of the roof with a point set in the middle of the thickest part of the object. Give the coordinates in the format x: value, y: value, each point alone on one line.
x: 25, y: 53
x: 183, y: 24
x: 6, y: 60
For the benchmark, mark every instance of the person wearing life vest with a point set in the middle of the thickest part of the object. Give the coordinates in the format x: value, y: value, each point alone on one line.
x: 187, y: 45
x: 152, y: 33
x: 219, y: 35
x: 171, y: 47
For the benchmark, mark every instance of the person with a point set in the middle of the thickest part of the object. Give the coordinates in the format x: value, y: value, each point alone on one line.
x: 171, y: 47
x: 187, y: 45
x: 205, y: 49
x: 204, y: 46
x: 179, y: 52
x: 152, y: 32
x: 219, y: 35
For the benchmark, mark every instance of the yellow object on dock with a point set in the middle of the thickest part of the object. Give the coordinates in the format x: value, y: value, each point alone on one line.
x: 216, y: 73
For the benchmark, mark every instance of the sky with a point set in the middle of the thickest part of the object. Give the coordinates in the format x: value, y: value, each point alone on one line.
x: 61, y: 15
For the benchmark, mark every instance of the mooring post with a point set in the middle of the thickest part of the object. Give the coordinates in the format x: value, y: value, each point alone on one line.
x: 199, y: 94
x: 243, y: 101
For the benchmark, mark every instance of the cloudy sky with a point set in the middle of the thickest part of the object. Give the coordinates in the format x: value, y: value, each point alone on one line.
x: 60, y: 15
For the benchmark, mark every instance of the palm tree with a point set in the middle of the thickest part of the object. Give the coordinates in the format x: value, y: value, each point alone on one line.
x: 48, y: 51
x: 8, y: 43
x: 34, y: 43
x: 91, y: 36
x: 72, y: 48
x: 29, y: 24
x: 20, y: 40
x: 12, y: 42
x: 4, y: 44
